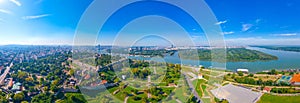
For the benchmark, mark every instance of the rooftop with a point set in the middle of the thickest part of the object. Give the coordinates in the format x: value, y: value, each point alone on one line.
x: 235, y: 94
x: 296, y: 78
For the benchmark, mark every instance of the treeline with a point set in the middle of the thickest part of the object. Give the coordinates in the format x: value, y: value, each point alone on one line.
x: 248, y: 80
x: 152, y: 53
x: 294, y: 49
x: 232, y: 55
x: 284, y: 90
x: 103, y: 60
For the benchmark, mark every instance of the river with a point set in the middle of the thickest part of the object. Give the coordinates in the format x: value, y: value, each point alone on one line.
x: 286, y: 60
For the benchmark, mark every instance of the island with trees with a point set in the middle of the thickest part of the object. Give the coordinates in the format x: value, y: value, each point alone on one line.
x: 232, y: 55
x: 283, y: 48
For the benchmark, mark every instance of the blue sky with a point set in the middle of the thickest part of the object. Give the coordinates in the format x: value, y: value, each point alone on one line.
x: 249, y: 22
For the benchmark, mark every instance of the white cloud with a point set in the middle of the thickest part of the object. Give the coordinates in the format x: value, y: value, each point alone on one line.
x: 35, y: 16
x: 246, y: 27
x: 257, y: 21
x: 287, y: 34
x: 5, y: 11
x: 226, y: 33
x: 221, y: 22
x: 16, y: 2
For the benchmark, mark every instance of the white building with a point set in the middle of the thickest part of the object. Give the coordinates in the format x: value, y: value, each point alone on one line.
x: 200, y: 76
x: 123, y: 77
x: 242, y: 70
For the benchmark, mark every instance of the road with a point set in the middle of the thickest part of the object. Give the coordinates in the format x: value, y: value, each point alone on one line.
x: 192, y: 87
x: 121, y: 60
x: 149, y: 85
x: 2, y: 77
x: 178, y: 101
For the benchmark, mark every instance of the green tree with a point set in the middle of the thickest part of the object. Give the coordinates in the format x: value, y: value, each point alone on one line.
x: 240, y: 73
x: 43, y: 98
x: 251, y: 75
x: 3, y: 99
x: 19, y: 97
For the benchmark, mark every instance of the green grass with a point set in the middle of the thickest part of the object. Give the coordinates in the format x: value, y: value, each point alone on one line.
x: 198, y: 88
x: 72, y: 97
x: 111, y: 90
x: 267, y: 98
x: 182, y: 93
x: 206, y: 100
x: 204, y: 89
x: 187, y: 69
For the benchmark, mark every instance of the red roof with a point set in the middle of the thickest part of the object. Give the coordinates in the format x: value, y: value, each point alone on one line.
x: 296, y: 78
x: 87, y: 77
x: 103, y: 81
x: 10, y: 83
x: 267, y: 89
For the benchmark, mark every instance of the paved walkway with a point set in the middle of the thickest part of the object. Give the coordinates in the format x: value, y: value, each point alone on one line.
x: 125, y: 100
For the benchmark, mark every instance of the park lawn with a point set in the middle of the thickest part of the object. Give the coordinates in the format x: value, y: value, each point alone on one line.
x: 71, y: 97
x: 187, y: 69
x: 163, y: 84
x: 205, y: 72
x: 204, y: 89
x: 267, y: 98
x: 198, y: 90
x: 216, y: 73
x: 121, y: 95
x: 182, y: 93
x: 131, y: 98
x: 111, y: 90
x: 206, y: 100
x: 199, y: 85
x: 195, y: 82
x: 265, y: 78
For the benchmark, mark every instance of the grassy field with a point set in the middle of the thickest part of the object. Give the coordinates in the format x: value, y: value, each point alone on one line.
x: 267, y: 98
x: 183, y: 92
x: 206, y: 100
x: 199, y: 84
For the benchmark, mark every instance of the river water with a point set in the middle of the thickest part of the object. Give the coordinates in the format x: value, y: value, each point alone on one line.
x: 286, y: 60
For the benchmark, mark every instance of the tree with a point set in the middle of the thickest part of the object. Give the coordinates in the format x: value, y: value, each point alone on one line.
x: 116, y: 80
x: 43, y: 98
x: 224, y: 101
x: 240, y: 73
x: 233, y: 76
x: 54, y: 88
x: 18, y: 97
x: 274, y: 72
x: 72, y: 72
x: 251, y: 75
x: 46, y: 89
x: 3, y: 99
x: 34, y: 77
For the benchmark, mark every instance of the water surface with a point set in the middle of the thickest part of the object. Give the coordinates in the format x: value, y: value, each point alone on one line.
x: 286, y: 60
